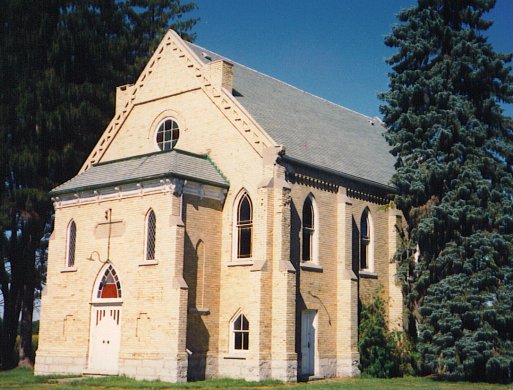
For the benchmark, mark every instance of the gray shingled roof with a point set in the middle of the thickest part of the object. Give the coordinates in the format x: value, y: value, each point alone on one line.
x: 174, y: 163
x: 312, y: 129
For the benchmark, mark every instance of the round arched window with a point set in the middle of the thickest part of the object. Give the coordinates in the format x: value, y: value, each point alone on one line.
x: 167, y: 134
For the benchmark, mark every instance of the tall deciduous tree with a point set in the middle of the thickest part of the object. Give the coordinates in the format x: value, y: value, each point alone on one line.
x: 454, y: 150
x: 60, y: 61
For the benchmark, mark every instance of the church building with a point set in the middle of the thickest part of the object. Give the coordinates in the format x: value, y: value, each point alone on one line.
x: 226, y: 224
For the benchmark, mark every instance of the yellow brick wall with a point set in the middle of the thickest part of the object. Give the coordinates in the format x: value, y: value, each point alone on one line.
x: 317, y: 289
x: 202, y: 219
x: 379, y: 217
x: 147, y: 290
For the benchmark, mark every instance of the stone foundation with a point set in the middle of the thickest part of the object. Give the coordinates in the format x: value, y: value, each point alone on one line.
x: 52, y: 364
x: 201, y: 367
x: 348, y: 366
x: 240, y: 368
x: 327, y: 368
x: 284, y: 370
x: 166, y: 369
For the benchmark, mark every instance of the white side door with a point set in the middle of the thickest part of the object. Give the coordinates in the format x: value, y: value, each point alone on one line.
x: 308, y: 338
x: 105, y: 339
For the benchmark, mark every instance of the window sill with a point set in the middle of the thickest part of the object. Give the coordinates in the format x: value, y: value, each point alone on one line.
x: 309, y: 266
x: 239, y: 263
x: 235, y: 356
x: 364, y: 274
x: 69, y: 269
x: 148, y: 262
x: 106, y: 301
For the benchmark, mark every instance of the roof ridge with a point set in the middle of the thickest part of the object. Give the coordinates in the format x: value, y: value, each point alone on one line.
x: 283, y: 82
x: 101, y: 163
x: 188, y: 153
x: 158, y: 152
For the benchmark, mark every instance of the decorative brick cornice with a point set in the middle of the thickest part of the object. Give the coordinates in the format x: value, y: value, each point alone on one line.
x: 131, y: 190
x: 356, y: 194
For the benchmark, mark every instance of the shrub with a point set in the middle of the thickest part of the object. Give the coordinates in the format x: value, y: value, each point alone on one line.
x: 383, y: 354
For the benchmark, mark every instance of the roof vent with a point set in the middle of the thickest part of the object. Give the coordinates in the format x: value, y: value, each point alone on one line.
x: 206, y: 56
x: 375, y: 121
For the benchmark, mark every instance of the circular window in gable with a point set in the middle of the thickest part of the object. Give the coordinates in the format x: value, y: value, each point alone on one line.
x: 167, y: 134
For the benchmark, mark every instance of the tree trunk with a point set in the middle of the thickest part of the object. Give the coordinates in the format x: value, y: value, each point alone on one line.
x: 31, y: 233
x: 11, y: 289
x: 26, y: 352
x: 9, y: 328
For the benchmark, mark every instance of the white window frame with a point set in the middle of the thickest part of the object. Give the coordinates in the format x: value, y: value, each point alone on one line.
x: 314, y: 233
x: 146, y: 236
x: 370, y: 245
x: 156, y: 131
x: 233, y: 332
x: 99, y: 277
x: 67, y: 265
x: 235, y: 228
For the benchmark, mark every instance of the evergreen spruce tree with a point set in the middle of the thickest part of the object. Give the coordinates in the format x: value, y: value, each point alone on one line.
x: 454, y: 150
x: 150, y: 20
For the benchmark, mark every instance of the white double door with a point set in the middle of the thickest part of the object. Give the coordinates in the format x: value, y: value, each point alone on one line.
x: 308, y: 341
x: 105, y: 339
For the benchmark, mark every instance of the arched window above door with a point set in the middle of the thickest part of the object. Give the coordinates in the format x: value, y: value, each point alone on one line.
x: 109, y: 286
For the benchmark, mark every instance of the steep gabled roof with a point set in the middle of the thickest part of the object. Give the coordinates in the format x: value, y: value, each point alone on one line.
x: 312, y: 129
x: 157, y: 165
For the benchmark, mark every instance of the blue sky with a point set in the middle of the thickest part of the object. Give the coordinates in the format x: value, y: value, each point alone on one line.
x: 331, y: 48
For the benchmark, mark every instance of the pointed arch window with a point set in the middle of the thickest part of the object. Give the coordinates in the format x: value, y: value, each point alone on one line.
x: 109, y: 286
x: 310, y: 230
x: 200, y: 274
x: 244, y: 226
x: 151, y: 232
x: 240, y: 333
x: 71, y: 244
x: 366, y: 242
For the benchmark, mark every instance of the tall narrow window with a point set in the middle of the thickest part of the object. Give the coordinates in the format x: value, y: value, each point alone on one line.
x: 244, y: 225
x: 366, y: 242
x: 240, y: 333
x: 151, y: 231
x: 200, y: 274
x: 71, y: 240
x: 308, y: 229
x: 309, y: 248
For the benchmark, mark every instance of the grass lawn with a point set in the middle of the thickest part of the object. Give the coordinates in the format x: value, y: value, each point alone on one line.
x: 24, y: 379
